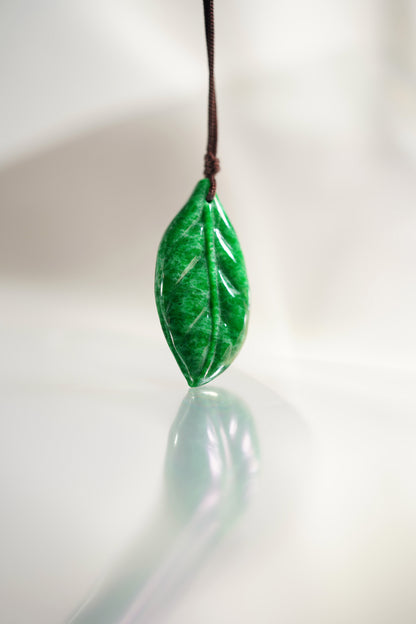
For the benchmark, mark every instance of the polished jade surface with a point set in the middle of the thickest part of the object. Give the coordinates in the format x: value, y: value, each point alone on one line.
x: 201, y: 288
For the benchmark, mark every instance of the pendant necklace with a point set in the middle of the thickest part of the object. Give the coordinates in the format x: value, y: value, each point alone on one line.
x: 201, y: 285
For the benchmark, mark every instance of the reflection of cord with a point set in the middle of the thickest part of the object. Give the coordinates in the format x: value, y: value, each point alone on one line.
x: 212, y: 164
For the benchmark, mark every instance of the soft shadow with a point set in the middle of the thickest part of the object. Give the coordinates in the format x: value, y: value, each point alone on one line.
x: 93, y: 207
x: 211, y: 462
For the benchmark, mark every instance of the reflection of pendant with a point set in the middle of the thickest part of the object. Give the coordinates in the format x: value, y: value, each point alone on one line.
x: 211, y: 464
x: 212, y: 458
x: 201, y: 288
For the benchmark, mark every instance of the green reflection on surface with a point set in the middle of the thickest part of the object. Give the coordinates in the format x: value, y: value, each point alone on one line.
x: 211, y: 460
x: 212, y: 455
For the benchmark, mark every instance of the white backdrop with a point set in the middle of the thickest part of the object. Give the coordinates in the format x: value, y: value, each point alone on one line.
x: 103, y: 118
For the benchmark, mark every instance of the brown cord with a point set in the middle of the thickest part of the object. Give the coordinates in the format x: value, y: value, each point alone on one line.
x: 212, y: 164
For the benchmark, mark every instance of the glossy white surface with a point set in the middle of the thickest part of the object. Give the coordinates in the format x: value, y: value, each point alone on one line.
x: 321, y: 528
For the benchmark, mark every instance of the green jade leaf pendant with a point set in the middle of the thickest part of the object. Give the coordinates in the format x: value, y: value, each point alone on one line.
x: 201, y: 288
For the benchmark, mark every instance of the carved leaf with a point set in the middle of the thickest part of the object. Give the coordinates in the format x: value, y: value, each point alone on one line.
x: 201, y: 288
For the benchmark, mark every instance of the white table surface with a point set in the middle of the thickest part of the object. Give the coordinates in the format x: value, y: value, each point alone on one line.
x: 294, y: 503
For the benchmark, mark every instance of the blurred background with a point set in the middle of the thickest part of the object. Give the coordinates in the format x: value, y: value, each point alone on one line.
x: 103, y: 115
x: 103, y: 130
